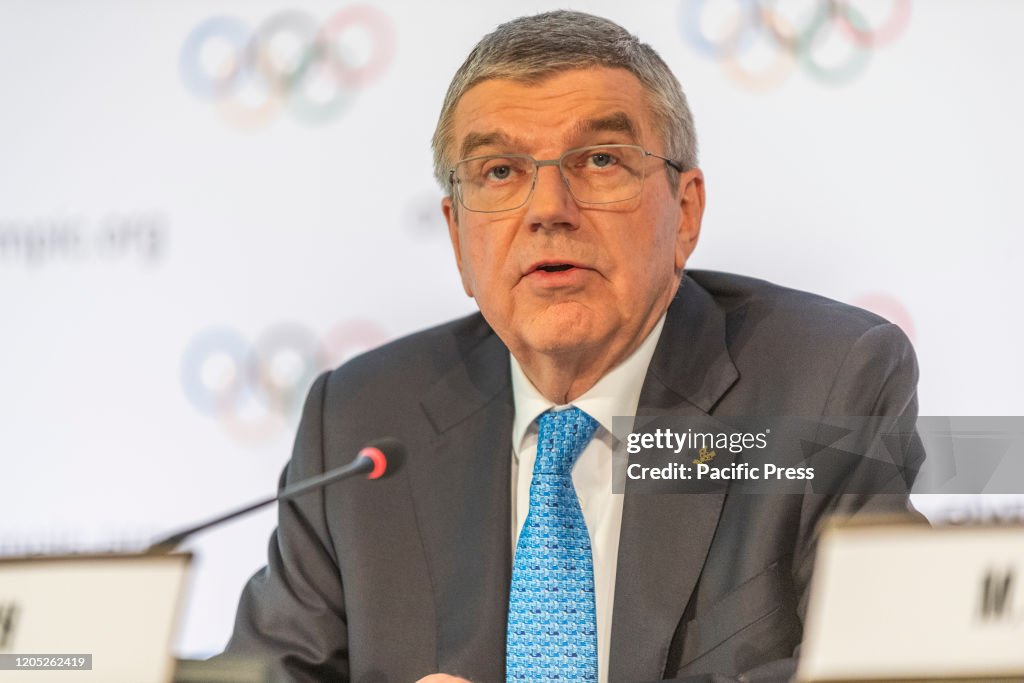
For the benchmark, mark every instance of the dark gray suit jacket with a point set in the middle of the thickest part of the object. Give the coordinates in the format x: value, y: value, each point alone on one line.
x: 396, y: 579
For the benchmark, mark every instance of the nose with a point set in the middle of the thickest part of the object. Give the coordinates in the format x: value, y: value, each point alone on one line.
x: 552, y: 206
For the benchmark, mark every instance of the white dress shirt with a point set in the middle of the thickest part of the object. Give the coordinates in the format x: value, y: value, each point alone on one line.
x: 617, y: 393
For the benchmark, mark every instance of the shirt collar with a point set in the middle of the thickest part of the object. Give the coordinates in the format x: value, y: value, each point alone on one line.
x: 617, y: 393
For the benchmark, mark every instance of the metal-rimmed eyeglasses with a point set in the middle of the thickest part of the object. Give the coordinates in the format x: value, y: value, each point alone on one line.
x: 599, y: 174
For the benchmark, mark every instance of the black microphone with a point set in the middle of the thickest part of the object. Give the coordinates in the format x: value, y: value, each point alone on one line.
x: 381, y: 457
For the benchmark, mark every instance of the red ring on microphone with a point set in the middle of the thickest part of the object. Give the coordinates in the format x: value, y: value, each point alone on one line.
x: 380, y: 461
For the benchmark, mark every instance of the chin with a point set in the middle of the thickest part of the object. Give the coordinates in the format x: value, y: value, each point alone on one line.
x: 563, y: 332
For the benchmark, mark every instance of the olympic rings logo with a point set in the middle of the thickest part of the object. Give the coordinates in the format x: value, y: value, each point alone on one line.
x: 288, y: 63
x: 253, y: 389
x: 828, y: 26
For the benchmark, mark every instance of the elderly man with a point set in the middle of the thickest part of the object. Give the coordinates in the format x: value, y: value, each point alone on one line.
x: 574, y: 200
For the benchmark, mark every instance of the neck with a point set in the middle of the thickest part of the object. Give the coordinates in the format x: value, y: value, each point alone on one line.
x: 563, y: 381
x: 563, y: 377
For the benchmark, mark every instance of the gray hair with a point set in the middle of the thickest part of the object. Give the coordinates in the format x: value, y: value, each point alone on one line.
x: 530, y: 49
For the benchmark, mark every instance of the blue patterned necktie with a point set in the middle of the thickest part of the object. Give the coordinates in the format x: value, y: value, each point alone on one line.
x: 552, y: 618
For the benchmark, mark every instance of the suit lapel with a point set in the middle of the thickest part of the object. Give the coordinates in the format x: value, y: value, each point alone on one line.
x: 664, y: 538
x: 461, y: 490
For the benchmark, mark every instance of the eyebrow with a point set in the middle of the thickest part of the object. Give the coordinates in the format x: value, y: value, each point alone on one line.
x: 475, y: 141
x: 618, y: 122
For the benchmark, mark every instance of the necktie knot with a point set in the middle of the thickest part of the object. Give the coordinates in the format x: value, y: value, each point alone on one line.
x: 563, y: 436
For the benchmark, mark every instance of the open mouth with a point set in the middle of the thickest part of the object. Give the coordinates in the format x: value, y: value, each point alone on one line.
x: 555, y: 267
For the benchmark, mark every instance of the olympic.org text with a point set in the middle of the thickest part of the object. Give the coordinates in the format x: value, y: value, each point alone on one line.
x: 65, y: 238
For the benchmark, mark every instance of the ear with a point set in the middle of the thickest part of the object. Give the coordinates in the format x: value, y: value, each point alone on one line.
x: 450, y: 211
x: 691, y: 204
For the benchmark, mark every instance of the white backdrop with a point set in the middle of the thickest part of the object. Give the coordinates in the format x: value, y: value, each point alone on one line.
x: 175, y: 267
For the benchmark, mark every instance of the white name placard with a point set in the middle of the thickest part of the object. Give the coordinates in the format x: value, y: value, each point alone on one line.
x: 911, y: 602
x: 103, y: 618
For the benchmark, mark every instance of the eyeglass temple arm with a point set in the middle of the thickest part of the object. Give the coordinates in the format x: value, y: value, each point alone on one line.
x: 671, y: 162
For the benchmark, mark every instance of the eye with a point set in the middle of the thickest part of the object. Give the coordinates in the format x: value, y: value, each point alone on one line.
x: 602, y: 159
x: 500, y: 172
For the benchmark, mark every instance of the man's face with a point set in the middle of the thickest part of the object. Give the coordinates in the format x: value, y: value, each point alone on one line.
x: 625, y: 257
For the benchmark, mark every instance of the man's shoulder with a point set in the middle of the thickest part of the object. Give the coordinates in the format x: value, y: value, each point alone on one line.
x: 791, y: 333
x: 746, y: 299
x: 415, y: 360
x: 801, y: 353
